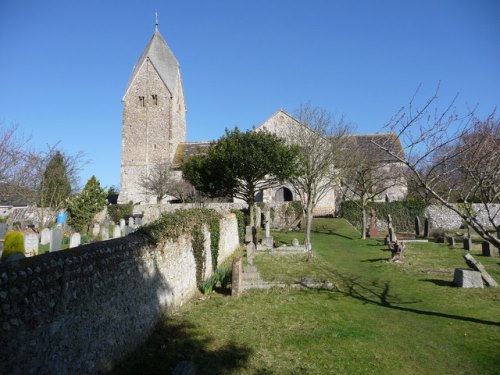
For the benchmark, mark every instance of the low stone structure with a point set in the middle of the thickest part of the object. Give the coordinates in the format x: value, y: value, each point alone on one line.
x: 81, y: 310
x: 467, y: 278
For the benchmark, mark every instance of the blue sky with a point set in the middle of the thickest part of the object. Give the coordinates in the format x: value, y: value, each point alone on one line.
x: 64, y: 65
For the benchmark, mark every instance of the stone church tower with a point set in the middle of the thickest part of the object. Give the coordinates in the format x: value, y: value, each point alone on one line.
x: 154, y: 117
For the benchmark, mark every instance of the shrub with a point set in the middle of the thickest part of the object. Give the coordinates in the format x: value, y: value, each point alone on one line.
x: 120, y: 211
x: 14, y: 243
x: 403, y: 213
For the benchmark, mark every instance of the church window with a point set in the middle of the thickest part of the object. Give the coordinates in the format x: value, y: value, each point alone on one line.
x: 155, y: 99
x: 141, y: 101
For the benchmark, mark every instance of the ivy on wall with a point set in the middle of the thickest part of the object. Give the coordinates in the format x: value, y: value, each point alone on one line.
x: 403, y: 213
x: 173, y: 224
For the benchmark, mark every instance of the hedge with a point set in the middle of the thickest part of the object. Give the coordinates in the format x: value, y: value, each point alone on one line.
x: 403, y: 213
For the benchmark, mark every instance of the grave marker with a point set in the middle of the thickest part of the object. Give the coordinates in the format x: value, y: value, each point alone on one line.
x: 417, y: 226
x: 488, y: 250
x: 117, y: 233
x: 75, y: 240
x: 56, y: 237
x: 426, y: 228
x: 30, y: 244
x: 45, y: 236
x: 3, y: 230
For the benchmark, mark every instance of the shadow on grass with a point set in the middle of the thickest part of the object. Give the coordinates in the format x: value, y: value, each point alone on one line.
x: 378, y: 294
x: 440, y: 282
x: 173, y: 342
x: 375, y: 260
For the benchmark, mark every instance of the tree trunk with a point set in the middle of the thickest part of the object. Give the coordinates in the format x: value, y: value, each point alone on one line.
x: 307, y: 237
x: 363, y: 224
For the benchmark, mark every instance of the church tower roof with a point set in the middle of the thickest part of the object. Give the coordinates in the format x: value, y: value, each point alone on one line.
x: 162, y: 58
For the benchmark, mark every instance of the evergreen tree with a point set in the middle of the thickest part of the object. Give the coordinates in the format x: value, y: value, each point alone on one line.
x: 84, y: 206
x: 55, y: 187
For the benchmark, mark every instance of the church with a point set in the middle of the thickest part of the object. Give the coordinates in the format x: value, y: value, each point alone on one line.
x: 154, y: 129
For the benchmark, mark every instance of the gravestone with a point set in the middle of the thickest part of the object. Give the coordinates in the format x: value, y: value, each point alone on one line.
x: 392, y: 235
x: 138, y: 221
x: 426, y: 228
x: 467, y: 243
x: 474, y: 264
x: 131, y: 223
x: 268, y: 240
x: 467, y: 278
x: 236, y: 276
x: 75, y: 240
x: 250, y: 252
x: 372, y: 231
x: 417, y: 226
x: 488, y: 250
x: 122, y: 224
x: 95, y: 230
x: 56, y: 237
x: 258, y: 217
x: 117, y: 233
x: 295, y: 242
x: 451, y: 241
x: 104, y: 232
x: 3, y: 230
x: 31, y: 244
x: 45, y: 236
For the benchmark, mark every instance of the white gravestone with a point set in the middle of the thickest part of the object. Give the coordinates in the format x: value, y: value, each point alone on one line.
x: 75, y: 240
x: 45, y: 236
x: 117, y: 233
x: 122, y: 224
x: 56, y: 236
x: 131, y: 222
x: 31, y: 244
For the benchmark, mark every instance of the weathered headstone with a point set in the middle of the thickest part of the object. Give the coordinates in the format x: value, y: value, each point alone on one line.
x: 451, y: 241
x: 3, y: 230
x: 426, y: 228
x: 258, y: 217
x: 104, y: 232
x: 117, y: 232
x: 45, y: 236
x: 488, y: 250
x: 56, y: 237
x: 31, y: 244
x: 236, y: 276
x: 122, y: 224
x: 95, y: 230
x: 467, y: 278
x: 392, y: 235
x: 417, y: 226
x: 250, y: 252
x: 372, y: 231
x: 138, y: 221
x: 131, y: 222
x: 75, y: 240
x: 467, y: 241
x: 248, y: 234
x: 295, y: 242
x: 473, y: 263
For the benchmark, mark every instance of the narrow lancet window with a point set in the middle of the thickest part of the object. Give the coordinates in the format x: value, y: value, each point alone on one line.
x: 155, y: 99
x: 141, y: 101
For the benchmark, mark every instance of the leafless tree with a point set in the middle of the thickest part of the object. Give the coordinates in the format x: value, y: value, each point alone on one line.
x: 452, y: 157
x: 366, y: 178
x: 322, y: 155
x: 160, y: 182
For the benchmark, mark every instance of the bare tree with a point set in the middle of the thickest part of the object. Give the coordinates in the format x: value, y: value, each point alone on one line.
x: 322, y: 145
x: 160, y: 182
x: 366, y: 177
x: 452, y: 157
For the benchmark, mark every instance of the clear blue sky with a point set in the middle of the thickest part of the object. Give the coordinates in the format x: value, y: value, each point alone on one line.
x: 64, y: 65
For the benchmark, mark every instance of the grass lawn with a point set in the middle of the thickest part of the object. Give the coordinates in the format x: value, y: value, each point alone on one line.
x: 382, y: 318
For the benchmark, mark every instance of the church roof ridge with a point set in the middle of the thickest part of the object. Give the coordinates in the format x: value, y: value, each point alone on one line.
x: 162, y: 58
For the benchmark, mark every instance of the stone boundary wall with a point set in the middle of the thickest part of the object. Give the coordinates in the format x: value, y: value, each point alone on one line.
x: 81, y: 310
x: 442, y: 217
x: 151, y: 212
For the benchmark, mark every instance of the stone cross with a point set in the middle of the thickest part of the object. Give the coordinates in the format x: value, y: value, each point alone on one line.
x: 417, y: 226
x: 45, y: 236
x: 56, y: 236
x: 75, y: 240
x: 95, y: 230
x: 426, y: 228
x: 31, y: 244
x: 117, y: 233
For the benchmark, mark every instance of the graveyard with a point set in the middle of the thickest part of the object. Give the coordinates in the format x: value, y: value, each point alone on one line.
x: 379, y: 318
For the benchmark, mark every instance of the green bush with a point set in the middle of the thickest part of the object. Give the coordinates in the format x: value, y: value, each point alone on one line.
x: 14, y: 243
x: 120, y: 211
x: 403, y: 213
x: 220, y: 276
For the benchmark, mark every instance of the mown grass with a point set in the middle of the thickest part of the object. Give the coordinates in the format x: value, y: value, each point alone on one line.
x: 382, y: 318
